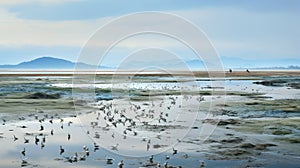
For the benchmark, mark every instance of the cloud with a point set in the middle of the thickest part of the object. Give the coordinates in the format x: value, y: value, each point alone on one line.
x: 247, y: 33
x: 233, y: 31
x: 15, y: 32
x: 7, y: 16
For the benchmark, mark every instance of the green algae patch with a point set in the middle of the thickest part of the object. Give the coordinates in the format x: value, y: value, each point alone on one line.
x: 282, y: 132
x: 264, y: 108
x: 289, y: 139
x: 275, y: 127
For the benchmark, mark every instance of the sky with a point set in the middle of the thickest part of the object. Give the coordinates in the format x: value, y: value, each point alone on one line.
x: 251, y: 30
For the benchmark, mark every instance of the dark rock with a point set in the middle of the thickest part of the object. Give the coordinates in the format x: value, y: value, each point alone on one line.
x: 39, y: 95
x: 247, y: 145
x: 282, y: 132
x: 294, y: 85
x: 228, y: 122
x: 221, y: 122
x: 271, y: 82
x: 263, y: 146
x: 232, y: 140
x: 233, y: 152
x: 79, y: 102
x: 252, y: 103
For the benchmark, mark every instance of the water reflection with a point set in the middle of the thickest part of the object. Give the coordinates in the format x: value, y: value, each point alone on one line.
x: 49, y: 155
x: 74, y: 136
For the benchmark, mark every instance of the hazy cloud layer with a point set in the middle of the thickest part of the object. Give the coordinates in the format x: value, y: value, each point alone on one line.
x: 252, y: 30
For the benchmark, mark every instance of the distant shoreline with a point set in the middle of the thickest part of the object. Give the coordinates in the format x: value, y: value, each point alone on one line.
x: 253, y: 73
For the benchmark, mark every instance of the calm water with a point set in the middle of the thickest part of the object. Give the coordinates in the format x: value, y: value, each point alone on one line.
x: 47, y: 154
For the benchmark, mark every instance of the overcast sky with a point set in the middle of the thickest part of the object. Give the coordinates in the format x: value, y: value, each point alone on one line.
x: 256, y: 29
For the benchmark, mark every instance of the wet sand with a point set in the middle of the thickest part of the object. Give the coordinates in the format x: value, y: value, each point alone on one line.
x: 257, y: 126
x: 254, y: 73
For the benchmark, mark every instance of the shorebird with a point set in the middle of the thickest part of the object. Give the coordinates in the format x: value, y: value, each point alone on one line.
x: 109, y: 161
x: 96, y: 147
x: 174, y: 151
x: 83, y: 158
x: 151, y: 159
x: 68, y: 159
x: 26, y: 140
x: 69, y: 137
x: 86, y: 150
x: 24, y: 163
x: 97, y: 135
x: 84, y: 147
x: 121, y: 164
x: 115, y: 147
x: 23, y: 152
x: 15, y: 138
x: 36, y: 140
x: 148, y: 146
x: 41, y: 120
x: 166, y: 165
x: 75, y: 157
x: 202, y: 164
x: 62, y: 150
x: 44, y: 139
x: 42, y: 145
x: 51, y: 132
x: 36, y: 117
x: 42, y: 128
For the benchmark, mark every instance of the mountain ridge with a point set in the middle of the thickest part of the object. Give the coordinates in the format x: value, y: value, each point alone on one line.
x: 47, y: 62
x: 50, y: 63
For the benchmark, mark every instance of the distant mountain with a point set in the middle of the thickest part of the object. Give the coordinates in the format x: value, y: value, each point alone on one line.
x: 194, y: 64
x: 233, y: 62
x: 280, y: 67
x: 49, y: 63
x: 239, y: 63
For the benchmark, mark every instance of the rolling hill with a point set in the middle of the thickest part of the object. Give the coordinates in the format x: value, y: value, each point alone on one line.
x: 49, y: 63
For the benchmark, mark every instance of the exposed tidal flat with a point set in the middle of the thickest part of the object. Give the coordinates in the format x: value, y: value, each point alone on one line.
x: 255, y: 119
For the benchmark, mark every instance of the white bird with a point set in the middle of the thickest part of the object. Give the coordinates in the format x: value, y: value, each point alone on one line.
x: 166, y: 165
x: 121, y: 164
